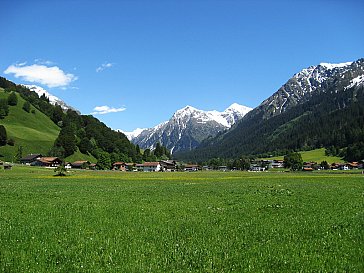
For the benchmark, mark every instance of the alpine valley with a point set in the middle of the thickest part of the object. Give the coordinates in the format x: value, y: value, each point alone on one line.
x: 186, y: 129
x: 321, y: 106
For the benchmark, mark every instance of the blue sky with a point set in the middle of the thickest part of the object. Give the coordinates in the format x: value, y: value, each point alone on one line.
x: 143, y: 60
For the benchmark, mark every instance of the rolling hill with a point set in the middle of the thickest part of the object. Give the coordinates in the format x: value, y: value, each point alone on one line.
x: 34, y: 131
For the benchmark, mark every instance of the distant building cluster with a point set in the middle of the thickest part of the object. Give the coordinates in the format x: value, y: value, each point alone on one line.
x: 174, y: 166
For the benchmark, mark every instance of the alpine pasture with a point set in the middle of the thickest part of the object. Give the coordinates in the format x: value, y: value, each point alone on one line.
x: 96, y: 221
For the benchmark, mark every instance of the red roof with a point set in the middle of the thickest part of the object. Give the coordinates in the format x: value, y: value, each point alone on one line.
x: 150, y: 164
x: 118, y: 163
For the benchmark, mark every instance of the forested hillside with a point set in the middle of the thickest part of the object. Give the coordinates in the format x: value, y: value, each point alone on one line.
x: 331, y: 116
x: 77, y: 133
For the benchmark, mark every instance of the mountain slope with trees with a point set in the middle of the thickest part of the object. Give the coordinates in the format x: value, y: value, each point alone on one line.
x: 326, y: 112
x: 66, y: 132
x: 27, y: 131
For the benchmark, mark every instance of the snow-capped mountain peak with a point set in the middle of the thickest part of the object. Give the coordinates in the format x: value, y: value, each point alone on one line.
x: 332, y: 66
x: 133, y: 134
x: 52, y: 99
x: 309, y: 81
x: 188, y: 127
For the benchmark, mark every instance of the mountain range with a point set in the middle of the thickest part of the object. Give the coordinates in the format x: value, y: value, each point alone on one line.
x: 188, y: 127
x: 320, y: 106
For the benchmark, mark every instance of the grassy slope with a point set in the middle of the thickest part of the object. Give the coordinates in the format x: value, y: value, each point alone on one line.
x: 36, y: 133
x: 158, y: 222
x: 317, y: 155
x: 80, y: 156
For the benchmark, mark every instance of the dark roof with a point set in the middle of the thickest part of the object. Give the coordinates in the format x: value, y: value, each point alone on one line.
x: 80, y: 163
x: 30, y: 157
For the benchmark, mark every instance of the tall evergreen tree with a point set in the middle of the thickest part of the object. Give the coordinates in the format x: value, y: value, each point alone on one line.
x: 19, y: 154
x: 26, y: 106
x: 3, y: 135
x: 13, y: 99
x: 4, y: 108
x: 67, y: 140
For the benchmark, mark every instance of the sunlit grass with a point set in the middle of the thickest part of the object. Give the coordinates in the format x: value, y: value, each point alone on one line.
x: 181, y: 222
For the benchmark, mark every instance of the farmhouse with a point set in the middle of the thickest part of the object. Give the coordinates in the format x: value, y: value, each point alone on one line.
x: 168, y: 165
x: 123, y: 166
x: 80, y: 164
x: 149, y: 167
x: 119, y: 166
x: 277, y: 164
x: 47, y: 162
x: 257, y: 168
x: 191, y: 168
x: 30, y: 158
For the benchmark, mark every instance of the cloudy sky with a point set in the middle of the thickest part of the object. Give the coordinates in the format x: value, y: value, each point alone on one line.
x: 134, y: 63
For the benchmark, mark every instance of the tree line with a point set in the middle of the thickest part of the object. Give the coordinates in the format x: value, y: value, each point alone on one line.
x: 80, y: 132
x: 328, y: 119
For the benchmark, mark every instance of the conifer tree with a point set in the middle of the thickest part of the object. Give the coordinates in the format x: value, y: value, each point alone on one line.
x: 13, y: 99
x: 3, y: 135
x: 26, y: 106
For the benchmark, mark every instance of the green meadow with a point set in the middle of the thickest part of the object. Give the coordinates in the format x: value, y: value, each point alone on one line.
x: 33, y: 131
x: 181, y: 222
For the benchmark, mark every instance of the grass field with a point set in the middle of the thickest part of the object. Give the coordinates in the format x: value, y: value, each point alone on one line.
x: 181, y: 222
x: 317, y: 155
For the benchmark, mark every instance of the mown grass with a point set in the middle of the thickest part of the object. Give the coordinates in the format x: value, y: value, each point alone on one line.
x: 181, y: 222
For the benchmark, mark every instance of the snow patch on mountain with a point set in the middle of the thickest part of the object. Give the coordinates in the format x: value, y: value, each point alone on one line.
x: 307, y: 81
x: 188, y: 127
x: 356, y: 81
x: 52, y: 99
x: 133, y: 134
x: 332, y: 66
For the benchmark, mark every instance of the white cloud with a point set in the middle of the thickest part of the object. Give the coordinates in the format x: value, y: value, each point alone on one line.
x: 45, y: 62
x: 101, y: 110
x: 103, y: 67
x: 49, y: 76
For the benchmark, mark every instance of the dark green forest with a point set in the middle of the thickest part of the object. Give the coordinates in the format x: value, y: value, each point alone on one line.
x: 329, y: 119
x: 83, y: 132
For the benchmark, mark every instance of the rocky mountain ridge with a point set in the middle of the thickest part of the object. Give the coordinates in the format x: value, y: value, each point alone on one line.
x: 188, y: 127
x: 319, y: 106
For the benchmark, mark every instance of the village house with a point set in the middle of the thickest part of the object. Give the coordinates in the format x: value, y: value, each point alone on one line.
x: 30, y: 158
x: 149, y: 167
x: 191, y: 168
x: 310, y: 166
x: 124, y: 167
x: 119, y: 166
x: 257, y: 168
x: 222, y: 168
x: 47, y: 162
x: 81, y: 164
x: 277, y: 164
x: 168, y: 165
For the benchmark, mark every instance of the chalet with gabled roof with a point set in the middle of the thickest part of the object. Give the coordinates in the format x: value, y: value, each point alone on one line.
x: 149, y: 167
x: 191, y: 168
x: 47, y: 162
x: 168, y: 165
x: 81, y: 164
x: 30, y: 158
